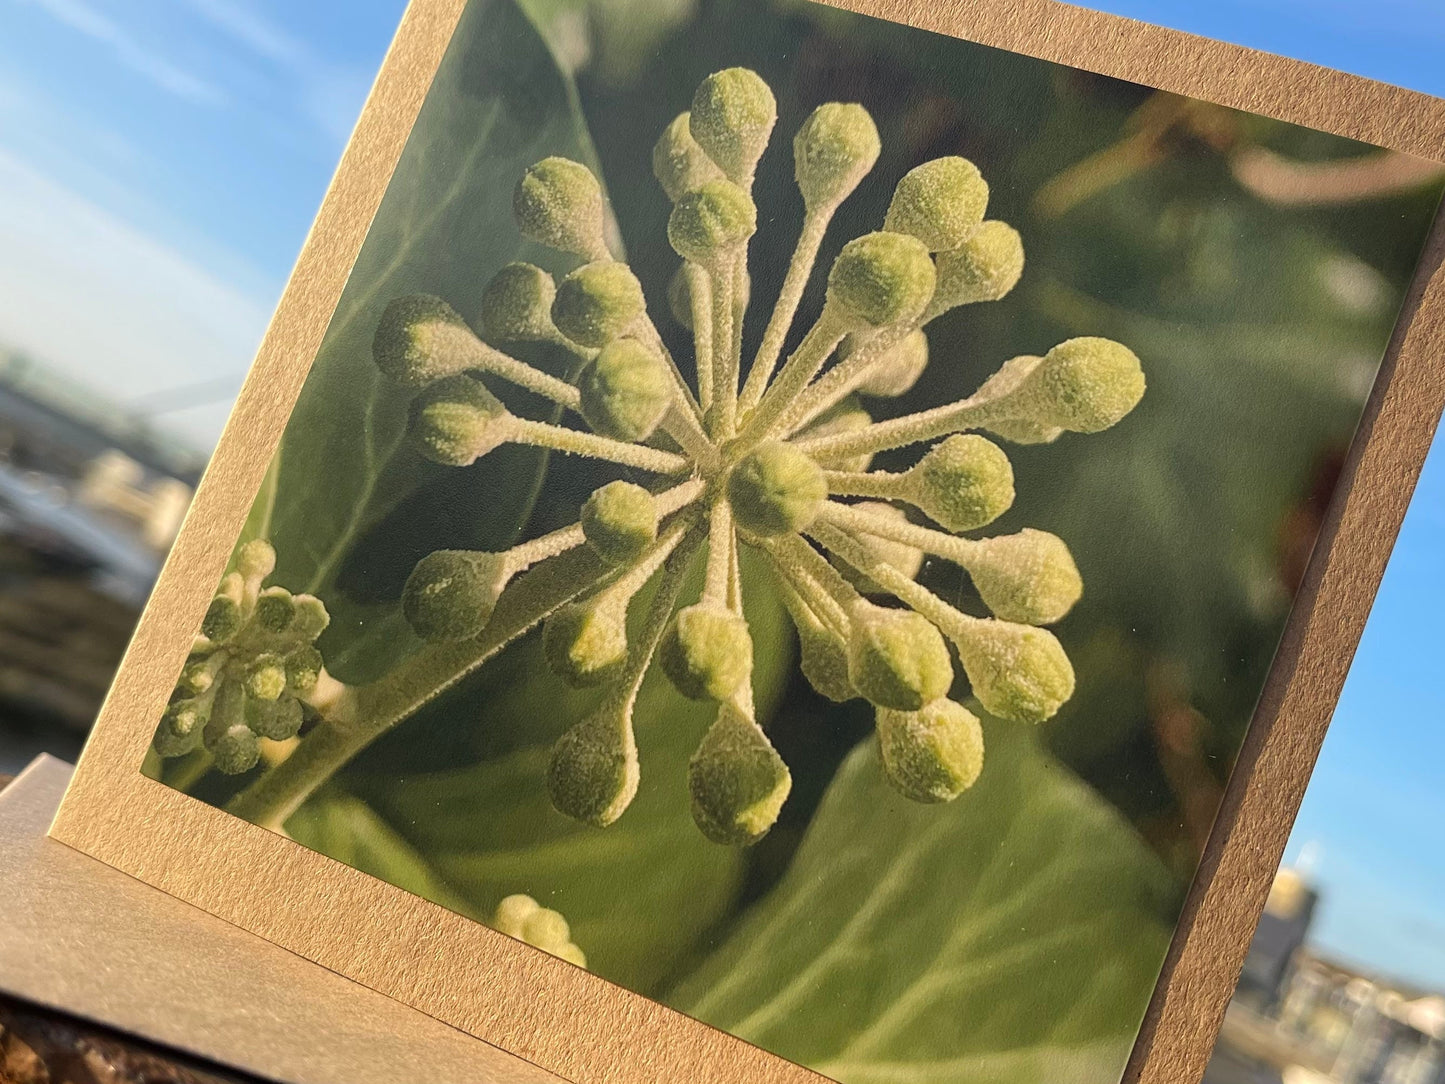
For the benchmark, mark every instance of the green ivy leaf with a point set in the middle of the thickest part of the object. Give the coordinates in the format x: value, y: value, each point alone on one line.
x: 354, y: 506
x: 1010, y: 936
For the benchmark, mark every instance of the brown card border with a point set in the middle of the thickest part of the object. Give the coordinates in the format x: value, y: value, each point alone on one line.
x: 575, y: 1023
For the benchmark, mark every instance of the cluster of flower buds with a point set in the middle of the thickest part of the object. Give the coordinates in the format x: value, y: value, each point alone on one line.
x: 249, y: 671
x: 725, y: 452
x: 522, y: 917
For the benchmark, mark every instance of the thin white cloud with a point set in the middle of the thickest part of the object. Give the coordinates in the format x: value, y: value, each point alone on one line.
x: 253, y: 31
x: 111, y: 307
x: 85, y: 19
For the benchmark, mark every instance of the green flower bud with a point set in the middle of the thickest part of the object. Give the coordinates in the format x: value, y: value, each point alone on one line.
x: 962, y: 483
x: 898, y: 370
x: 940, y: 202
x: 1029, y: 577
x: 278, y: 720
x: 619, y: 521
x: 903, y: 558
x: 228, y: 709
x: 558, y: 203
x: 823, y: 658
x: 585, y: 643
x: 450, y: 594
x: 309, y: 618
x: 593, y: 774
x: 522, y: 917
x: 737, y: 780
x: 196, y: 678
x: 517, y: 304
x: 180, y: 729
x: 733, y: 113
x: 235, y: 750
x: 834, y: 149
x: 456, y: 421
x: 1083, y: 386
x: 881, y: 279
x: 274, y: 609
x: 708, y: 225
x: 707, y: 652
x: 933, y: 754
x: 421, y: 339
x: 303, y: 668
x: 222, y: 620
x: 845, y: 416
x: 896, y: 658
x: 1017, y: 672
x: 256, y: 560
x: 984, y: 268
x: 776, y: 490
x: 266, y: 676
x: 678, y: 163
x: 598, y: 303
x: 625, y: 390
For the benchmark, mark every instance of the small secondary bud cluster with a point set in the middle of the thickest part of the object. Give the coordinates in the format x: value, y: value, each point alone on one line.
x: 249, y: 671
x: 766, y: 452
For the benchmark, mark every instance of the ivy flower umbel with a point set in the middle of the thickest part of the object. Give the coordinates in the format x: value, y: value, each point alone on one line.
x: 249, y: 672
x: 769, y: 455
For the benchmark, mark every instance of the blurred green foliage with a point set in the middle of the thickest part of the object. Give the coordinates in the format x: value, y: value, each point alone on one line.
x: 1018, y: 931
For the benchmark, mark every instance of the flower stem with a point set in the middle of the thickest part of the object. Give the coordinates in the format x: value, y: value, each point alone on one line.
x: 843, y: 379
x: 815, y: 225
x: 576, y: 442
x: 724, y: 373
x: 699, y: 289
x: 883, y: 485
x: 491, y: 360
x: 822, y: 339
x: 911, y: 429
x: 719, y: 554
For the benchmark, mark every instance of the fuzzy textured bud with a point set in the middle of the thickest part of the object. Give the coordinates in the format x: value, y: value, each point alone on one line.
x: 1084, y: 386
x: 451, y: 593
x: 678, y: 163
x: 984, y: 268
x: 303, y: 668
x: 679, y: 297
x: 834, y: 149
x: 456, y: 421
x: 733, y: 113
x: 593, y: 773
x: 901, y: 557
x: 420, y: 339
x: 1000, y: 386
x: 777, y: 490
x: 881, y: 279
x: 222, y: 620
x: 1029, y: 577
x: 274, y: 609
x: 528, y: 921
x: 274, y: 719
x: 710, y: 224
x: 235, y: 750
x: 625, y: 391
x: 309, y: 618
x: 256, y: 559
x: 180, y: 729
x: 707, y: 652
x: 933, y: 754
x: 597, y: 303
x: 1017, y: 672
x: 619, y: 521
x: 266, y: 676
x: 737, y: 781
x: 196, y: 678
x: 517, y: 304
x: 585, y: 643
x: 896, y: 658
x: 558, y: 203
x: 963, y: 483
x: 899, y: 369
x: 939, y: 202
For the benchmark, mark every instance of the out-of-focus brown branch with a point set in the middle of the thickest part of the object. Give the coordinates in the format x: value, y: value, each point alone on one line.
x: 1290, y: 183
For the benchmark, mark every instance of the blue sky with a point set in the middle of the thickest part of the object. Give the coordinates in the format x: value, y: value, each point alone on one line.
x: 161, y: 160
